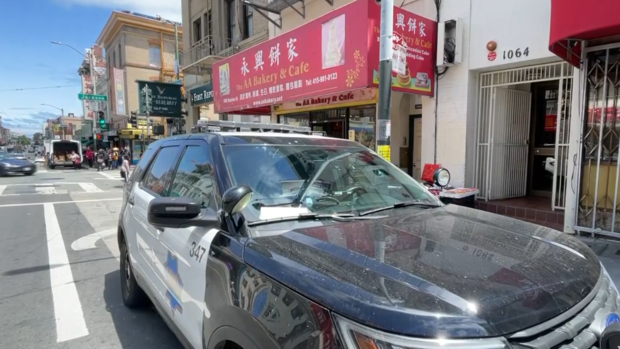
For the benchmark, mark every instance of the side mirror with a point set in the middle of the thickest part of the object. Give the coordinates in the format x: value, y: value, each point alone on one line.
x: 236, y: 199
x: 180, y: 212
x: 441, y: 177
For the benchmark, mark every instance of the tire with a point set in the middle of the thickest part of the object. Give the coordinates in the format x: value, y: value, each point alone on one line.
x: 133, y: 295
x: 52, y: 167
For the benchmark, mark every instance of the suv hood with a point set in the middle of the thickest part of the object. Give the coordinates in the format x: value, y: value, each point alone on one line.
x: 453, y: 271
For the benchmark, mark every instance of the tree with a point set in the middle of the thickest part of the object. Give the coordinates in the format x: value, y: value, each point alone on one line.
x: 23, y: 140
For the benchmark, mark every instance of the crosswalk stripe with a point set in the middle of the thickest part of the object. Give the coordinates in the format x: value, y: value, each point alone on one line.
x: 45, y: 190
x: 107, y: 175
x: 90, y: 188
x: 70, y: 323
x: 2, y: 188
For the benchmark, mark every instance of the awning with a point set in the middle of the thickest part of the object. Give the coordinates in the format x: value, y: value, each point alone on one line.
x: 573, y: 20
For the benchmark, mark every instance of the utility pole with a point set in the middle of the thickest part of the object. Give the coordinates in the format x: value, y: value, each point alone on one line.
x: 146, y: 93
x: 385, y: 72
x: 93, y: 80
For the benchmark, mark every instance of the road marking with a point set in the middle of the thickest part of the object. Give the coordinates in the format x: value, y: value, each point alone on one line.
x: 90, y: 188
x: 59, y: 202
x: 45, y: 190
x: 70, y: 323
x: 88, y: 242
x: 2, y: 188
x: 109, y: 176
x: 57, y: 192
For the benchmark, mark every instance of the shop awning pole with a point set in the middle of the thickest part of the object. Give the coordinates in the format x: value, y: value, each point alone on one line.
x: 385, y: 73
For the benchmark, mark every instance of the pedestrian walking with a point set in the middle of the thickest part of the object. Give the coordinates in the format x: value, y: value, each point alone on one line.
x: 77, y: 161
x: 100, y: 160
x: 125, y: 169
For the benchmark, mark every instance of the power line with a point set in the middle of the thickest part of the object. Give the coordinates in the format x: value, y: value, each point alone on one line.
x: 38, y: 88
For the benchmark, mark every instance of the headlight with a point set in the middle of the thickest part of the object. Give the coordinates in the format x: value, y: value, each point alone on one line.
x: 441, y: 177
x: 357, y: 336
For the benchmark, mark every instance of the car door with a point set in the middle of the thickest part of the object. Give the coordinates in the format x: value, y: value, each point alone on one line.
x: 156, y: 182
x: 128, y: 216
x: 184, y: 253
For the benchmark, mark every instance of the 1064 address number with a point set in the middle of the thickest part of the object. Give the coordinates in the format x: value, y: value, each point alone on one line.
x: 518, y: 53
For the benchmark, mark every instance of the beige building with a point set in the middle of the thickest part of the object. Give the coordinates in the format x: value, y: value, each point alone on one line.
x: 216, y: 29
x: 137, y: 47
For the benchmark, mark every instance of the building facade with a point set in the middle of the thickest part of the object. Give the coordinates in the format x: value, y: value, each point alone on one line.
x: 137, y: 47
x: 532, y: 129
x: 215, y: 30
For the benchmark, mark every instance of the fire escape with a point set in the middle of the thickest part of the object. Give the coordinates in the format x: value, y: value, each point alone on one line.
x: 266, y: 7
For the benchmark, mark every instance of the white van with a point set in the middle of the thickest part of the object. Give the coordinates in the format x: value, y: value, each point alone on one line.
x: 60, y: 151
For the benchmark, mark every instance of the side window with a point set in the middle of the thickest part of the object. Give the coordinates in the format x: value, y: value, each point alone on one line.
x: 159, y: 176
x: 194, y: 178
x: 143, y: 163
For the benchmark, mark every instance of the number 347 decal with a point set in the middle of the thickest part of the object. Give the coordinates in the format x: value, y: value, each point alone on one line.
x: 196, y: 252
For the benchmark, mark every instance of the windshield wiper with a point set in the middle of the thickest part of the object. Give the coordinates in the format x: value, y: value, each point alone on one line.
x: 342, y: 217
x: 399, y: 205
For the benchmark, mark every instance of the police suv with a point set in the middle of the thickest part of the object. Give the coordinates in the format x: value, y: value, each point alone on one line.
x: 269, y: 236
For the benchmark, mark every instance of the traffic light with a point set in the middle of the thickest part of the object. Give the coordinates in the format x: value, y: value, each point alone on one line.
x: 133, y: 119
x: 98, y: 136
x: 101, y: 119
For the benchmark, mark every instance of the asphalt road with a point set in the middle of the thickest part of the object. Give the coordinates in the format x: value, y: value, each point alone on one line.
x: 56, y: 289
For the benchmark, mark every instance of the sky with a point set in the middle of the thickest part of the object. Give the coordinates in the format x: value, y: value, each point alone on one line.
x: 33, y: 71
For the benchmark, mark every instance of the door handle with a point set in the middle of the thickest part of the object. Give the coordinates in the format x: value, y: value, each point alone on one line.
x: 536, y: 151
x: 130, y: 200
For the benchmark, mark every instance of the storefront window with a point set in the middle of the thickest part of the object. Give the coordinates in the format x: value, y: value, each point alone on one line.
x: 330, y: 121
x: 301, y: 119
x: 362, y: 125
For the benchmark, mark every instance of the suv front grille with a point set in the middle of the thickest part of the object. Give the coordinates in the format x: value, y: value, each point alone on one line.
x: 582, y: 330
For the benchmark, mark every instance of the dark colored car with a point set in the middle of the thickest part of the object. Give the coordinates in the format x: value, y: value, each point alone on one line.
x: 15, y: 164
x: 280, y: 240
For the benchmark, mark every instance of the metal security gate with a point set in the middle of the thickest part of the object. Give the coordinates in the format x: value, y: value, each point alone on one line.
x: 510, y: 123
x: 599, y: 172
x: 495, y: 112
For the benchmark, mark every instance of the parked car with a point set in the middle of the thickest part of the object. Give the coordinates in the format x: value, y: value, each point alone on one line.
x: 10, y: 163
x: 261, y: 240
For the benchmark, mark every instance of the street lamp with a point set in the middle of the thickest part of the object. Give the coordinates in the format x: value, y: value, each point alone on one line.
x: 91, y: 59
x: 62, y: 111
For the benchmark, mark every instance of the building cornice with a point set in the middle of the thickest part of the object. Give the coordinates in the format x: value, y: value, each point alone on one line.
x: 119, y: 19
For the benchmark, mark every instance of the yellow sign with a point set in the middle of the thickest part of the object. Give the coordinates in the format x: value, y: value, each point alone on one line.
x: 351, y: 135
x: 384, y: 151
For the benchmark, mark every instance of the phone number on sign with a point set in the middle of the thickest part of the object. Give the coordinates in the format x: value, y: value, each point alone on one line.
x: 322, y: 78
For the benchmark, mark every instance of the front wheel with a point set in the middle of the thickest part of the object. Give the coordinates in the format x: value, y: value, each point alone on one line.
x: 133, y: 295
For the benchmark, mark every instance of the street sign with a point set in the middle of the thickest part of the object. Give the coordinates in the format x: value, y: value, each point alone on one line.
x: 165, y: 98
x: 88, y: 97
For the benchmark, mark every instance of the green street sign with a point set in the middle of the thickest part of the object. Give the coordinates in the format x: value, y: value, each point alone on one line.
x: 88, y: 97
x: 165, y: 98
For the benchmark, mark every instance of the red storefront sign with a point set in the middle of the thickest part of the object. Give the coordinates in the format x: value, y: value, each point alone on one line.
x: 325, y: 56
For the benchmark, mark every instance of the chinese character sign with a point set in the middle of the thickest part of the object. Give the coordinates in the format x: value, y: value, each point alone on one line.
x: 416, y: 35
x: 323, y: 56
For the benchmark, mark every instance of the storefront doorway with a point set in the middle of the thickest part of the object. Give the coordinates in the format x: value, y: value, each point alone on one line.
x: 330, y: 121
x: 354, y: 123
x: 522, y: 134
